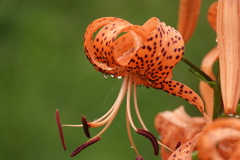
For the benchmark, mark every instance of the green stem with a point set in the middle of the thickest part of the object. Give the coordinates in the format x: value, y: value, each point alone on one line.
x: 217, y: 107
x: 193, y: 66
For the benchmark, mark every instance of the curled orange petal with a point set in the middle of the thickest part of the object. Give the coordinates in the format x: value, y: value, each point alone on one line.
x: 205, y: 90
x: 176, y: 126
x: 178, y: 89
x: 187, y: 17
x: 97, y: 50
x: 158, y: 55
x: 212, y: 15
x: 218, y: 138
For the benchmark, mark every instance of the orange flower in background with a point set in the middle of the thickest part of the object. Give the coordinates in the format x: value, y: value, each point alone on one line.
x: 212, y: 15
x: 221, y: 140
x: 205, y: 90
x: 141, y: 55
x: 218, y: 141
x: 187, y: 17
x: 207, y: 64
x: 176, y: 127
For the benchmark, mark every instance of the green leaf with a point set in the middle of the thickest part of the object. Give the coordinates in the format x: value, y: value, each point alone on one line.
x: 238, y: 110
x: 202, y: 78
x: 194, y: 155
x: 237, y: 115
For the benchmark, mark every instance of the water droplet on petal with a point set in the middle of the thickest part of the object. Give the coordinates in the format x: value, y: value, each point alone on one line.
x: 132, y: 147
x: 119, y: 77
x: 160, y: 137
x: 216, y: 40
x: 112, y: 75
x: 231, y: 115
x: 105, y: 75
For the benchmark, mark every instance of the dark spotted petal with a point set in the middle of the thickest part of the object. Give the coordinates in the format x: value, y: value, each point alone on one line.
x: 178, y: 89
x: 95, y: 47
x: 184, y: 152
x: 178, y: 145
x: 159, y: 54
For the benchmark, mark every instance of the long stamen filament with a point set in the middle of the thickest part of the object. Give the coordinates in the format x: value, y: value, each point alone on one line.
x: 117, y: 103
x: 98, y: 120
x: 128, y: 103
x: 136, y: 106
x: 106, y: 114
x: 104, y: 129
x: 117, y: 106
x: 72, y: 125
x: 130, y: 135
x: 139, y: 115
x: 164, y: 146
x: 128, y: 116
x: 112, y: 111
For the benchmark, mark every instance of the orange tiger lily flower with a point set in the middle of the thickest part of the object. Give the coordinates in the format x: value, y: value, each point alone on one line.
x: 144, y: 55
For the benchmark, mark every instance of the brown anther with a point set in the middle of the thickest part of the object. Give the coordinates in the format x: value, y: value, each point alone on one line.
x: 85, y: 145
x: 139, y: 157
x: 85, y: 126
x: 60, y: 129
x: 151, y: 137
x: 178, y: 145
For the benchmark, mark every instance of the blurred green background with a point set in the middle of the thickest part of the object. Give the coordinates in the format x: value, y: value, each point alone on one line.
x: 43, y: 68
